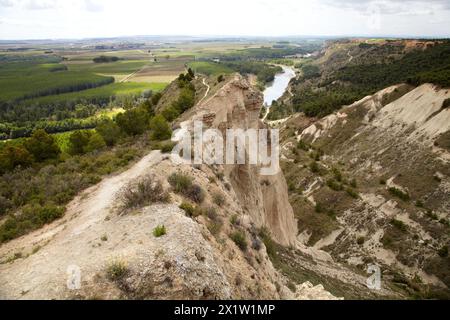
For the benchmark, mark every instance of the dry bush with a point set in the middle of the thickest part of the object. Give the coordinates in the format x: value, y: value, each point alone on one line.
x: 116, y: 269
x: 146, y: 191
x: 184, y: 185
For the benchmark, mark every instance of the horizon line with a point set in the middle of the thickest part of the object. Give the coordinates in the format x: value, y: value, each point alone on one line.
x: 214, y: 37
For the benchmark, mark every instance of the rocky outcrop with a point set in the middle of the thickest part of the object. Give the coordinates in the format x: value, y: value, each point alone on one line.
x: 237, y: 106
x: 378, y: 169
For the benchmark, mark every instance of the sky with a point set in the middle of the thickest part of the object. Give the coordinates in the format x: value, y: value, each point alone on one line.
x: 74, y: 19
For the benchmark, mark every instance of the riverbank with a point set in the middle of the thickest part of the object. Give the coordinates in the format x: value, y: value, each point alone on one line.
x: 278, y: 87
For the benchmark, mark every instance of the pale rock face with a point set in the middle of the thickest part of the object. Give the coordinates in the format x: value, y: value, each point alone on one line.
x: 308, y: 291
x: 265, y: 198
x: 420, y: 109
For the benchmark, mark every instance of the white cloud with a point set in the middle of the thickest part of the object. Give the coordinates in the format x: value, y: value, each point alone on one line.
x: 41, y: 4
x: 103, y: 18
x: 94, y: 6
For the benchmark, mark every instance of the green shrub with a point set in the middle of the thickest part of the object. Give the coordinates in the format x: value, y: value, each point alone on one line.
x: 78, y: 142
x: 419, y: 204
x: 33, y: 217
x: 292, y: 286
x: 109, y: 131
x: 239, y: 239
x: 196, y: 193
x: 219, y: 199
x: 352, y: 193
x: 337, y: 174
x: 160, y: 128
x: 314, y: 167
x: 133, y: 122
x: 443, y: 252
x: 95, y: 142
x: 319, y: 208
x: 42, y: 146
x: 268, y: 242
x: 303, y: 146
x: 211, y: 213
x: 446, y: 103
x: 399, y: 194
x: 116, y: 270
x: 199, y: 211
x: 183, y: 184
x: 170, y: 113
x: 215, y: 226
x: 159, y: 231
x: 164, y: 147
x: 188, y: 209
x: 361, y: 240
x: 433, y: 216
x: 167, y: 147
x: 13, y: 156
x: 336, y: 186
x: 5, y: 205
x: 234, y: 220
x: 180, y: 182
x: 400, y: 225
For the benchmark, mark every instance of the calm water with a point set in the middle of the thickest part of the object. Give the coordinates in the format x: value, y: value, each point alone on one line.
x: 279, y: 86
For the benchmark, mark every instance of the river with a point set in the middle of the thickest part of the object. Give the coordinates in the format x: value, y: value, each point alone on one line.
x: 278, y: 87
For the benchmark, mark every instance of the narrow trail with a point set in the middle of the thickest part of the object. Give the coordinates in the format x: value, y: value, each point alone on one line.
x: 267, y: 113
x: 208, y: 89
x: 128, y: 77
x: 70, y: 240
x: 131, y: 75
x: 350, y: 56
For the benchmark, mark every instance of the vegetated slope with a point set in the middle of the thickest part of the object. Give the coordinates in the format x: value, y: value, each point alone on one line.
x: 141, y: 245
x: 338, y: 80
x: 370, y: 184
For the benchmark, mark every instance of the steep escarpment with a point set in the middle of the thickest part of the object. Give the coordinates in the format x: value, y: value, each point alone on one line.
x: 213, y: 248
x: 264, y: 197
x: 370, y: 184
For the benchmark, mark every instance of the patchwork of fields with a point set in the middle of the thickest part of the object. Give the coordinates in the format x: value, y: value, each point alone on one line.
x: 49, y: 88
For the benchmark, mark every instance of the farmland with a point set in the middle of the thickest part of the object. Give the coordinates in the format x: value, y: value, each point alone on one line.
x: 42, y: 80
x: 103, y: 93
x: 60, y: 88
x: 210, y: 68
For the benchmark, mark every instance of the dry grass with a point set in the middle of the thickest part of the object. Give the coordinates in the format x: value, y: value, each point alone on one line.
x: 116, y: 269
x: 146, y: 191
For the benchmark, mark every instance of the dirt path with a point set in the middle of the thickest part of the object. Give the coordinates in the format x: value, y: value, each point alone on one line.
x: 350, y: 56
x: 208, y: 88
x: 128, y: 77
x: 66, y: 242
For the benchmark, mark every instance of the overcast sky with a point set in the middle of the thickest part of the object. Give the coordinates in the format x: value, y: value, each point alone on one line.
x: 38, y: 19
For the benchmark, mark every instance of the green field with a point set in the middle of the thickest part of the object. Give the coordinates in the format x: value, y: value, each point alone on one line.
x: 209, y: 68
x: 119, y: 67
x: 29, y: 79
x: 104, y: 92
